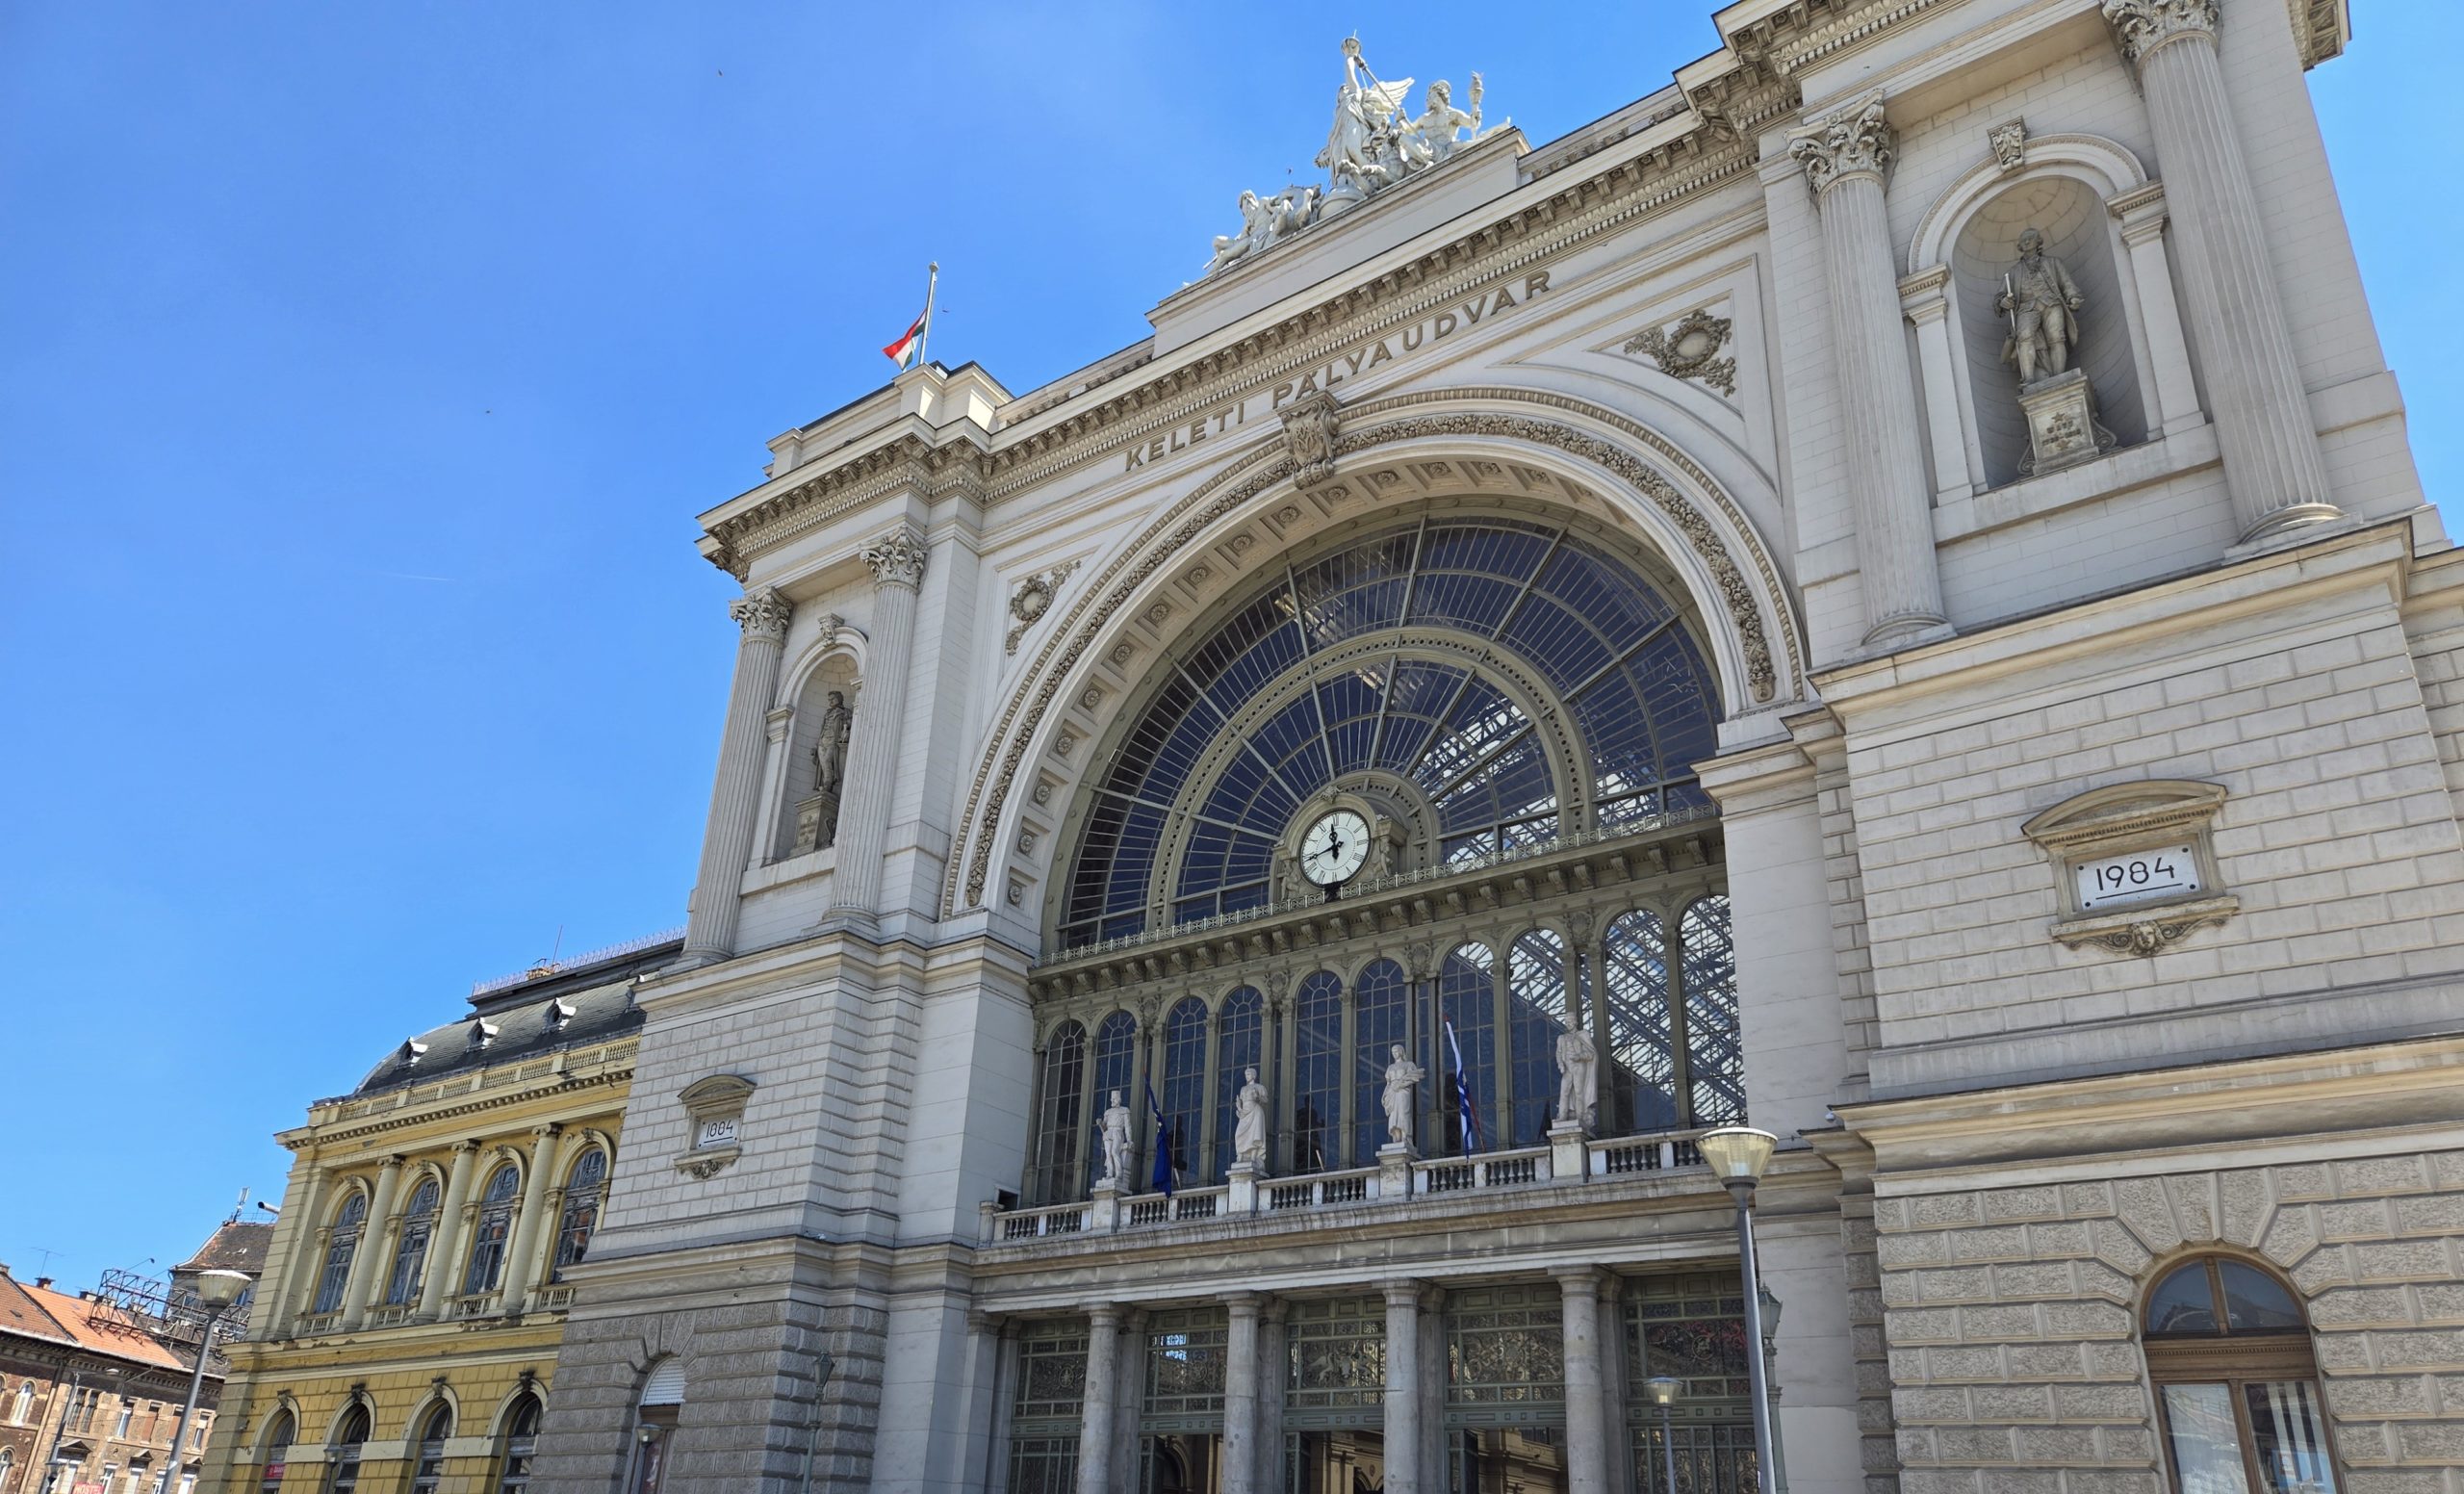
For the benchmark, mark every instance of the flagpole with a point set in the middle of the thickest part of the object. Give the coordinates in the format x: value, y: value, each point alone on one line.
x: 924, y: 339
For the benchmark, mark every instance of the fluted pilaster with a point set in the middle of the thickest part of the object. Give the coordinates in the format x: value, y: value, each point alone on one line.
x: 897, y: 561
x: 735, y: 794
x: 1846, y: 155
x: 2273, y: 465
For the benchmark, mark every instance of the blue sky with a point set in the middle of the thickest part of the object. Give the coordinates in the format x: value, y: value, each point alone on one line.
x: 361, y: 371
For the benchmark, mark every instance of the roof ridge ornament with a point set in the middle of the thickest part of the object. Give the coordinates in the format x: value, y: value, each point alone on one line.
x: 1374, y: 143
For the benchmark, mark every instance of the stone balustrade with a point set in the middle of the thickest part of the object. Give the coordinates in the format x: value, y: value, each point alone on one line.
x: 1528, y: 1167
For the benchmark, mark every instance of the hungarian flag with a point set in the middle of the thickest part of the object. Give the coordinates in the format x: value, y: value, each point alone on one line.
x: 910, y: 346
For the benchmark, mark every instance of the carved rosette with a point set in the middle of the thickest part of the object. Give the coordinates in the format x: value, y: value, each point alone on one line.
x: 1310, y: 428
x: 762, y: 613
x: 1033, y: 599
x: 897, y: 559
x: 1853, y: 140
x: 2142, y: 26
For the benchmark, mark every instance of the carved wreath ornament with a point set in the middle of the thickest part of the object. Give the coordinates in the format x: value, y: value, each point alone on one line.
x: 1690, y: 350
x: 1033, y: 599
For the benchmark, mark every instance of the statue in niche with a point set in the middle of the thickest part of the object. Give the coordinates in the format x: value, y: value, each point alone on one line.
x: 829, y: 746
x: 1249, y: 1126
x: 2044, y: 307
x: 1115, y: 1127
x: 1401, y: 1077
x: 1578, y: 1078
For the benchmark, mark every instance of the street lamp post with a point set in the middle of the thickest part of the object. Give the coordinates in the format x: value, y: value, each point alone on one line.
x: 1663, y: 1390
x: 215, y: 1290
x: 1737, y: 1155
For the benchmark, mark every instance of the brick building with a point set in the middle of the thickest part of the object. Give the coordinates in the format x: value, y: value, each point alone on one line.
x: 91, y: 1396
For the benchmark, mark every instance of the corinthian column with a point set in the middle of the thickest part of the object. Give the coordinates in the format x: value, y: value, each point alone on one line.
x: 374, y: 1256
x: 546, y: 1147
x: 1846, y: 155
x: 873, y: 750
x: 2273, y: 466
x: 710, y: 932
x: 444, y: 1236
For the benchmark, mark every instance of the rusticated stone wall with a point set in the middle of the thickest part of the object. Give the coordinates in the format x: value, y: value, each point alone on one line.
x: 2012, y: 1318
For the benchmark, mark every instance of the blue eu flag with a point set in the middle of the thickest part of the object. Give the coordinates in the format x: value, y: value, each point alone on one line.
x: 1163, y: 1178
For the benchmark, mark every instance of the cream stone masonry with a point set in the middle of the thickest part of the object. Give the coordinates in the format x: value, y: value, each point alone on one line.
x: 1640, y: 542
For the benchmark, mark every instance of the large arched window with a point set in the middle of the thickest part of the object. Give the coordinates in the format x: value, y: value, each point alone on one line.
x: 410, y: 1255
x: 1317, y: 1077
x: 1184, y: 1087
x: 279, y: 1435
x: 518, y: 1447
x: 1063, y: 1087
x: 341, y: 1247
x: 2236, y: 1385
x: 1641, y: 1090
x: 1535, y: 1015
x: 586, y: 1188
x: 1493, y: 683
x: 1467, y: 1013
x: 1381, y: 1017
x: 1239, y: 1036
x: 343, y: 1453
x: 1714, y: 1044
x: 1116, y: 1073
x: 427, y: 1468
x: 489, y: 1234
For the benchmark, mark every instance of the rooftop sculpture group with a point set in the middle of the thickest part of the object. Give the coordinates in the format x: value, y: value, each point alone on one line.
x: 1373, y: 144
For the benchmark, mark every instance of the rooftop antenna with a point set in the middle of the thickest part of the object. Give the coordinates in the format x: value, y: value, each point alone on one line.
x: 239, y: 1208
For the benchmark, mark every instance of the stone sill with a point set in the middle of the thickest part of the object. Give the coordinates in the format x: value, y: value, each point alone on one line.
x: 2132, y: 467
x: 2146, y: 928
x: 794, y: 868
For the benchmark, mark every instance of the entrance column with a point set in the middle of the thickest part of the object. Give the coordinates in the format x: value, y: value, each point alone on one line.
x: 1274, y: 1367
x: 2273, y: 466
x: 1845, y: 155
x: 873, y: 750
x: 1241, y: 1366
x: 1586, y: 1414
x: 727, y: 842
x: 1402, y: 1434
x: 1097, y: 1411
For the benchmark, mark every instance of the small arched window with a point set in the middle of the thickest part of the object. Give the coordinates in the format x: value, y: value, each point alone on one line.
x: 340, y: 1249
x: 23, y: 1410
x: 278, y: 1439
x: 2229, y: 1352
x: 341, y: 1454
x: 427, y: 1474
x: 410, y: 1257
x: 655, y: 1425
x: 521, y: 1446
x: 584, y: 1187
x: 489, y: 1234
x: 7, y: 1468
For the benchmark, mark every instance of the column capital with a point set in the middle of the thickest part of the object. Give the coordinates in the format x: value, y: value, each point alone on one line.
x: 466, y: 1146
x: 1244, y: 1303
x: 1405, y: 1292
x: 2142, y: 26
x: 897, y: 558
x: 1578, y: 1281
x: 547, y: 1128
x: 1104, y: 1314
x: 762, y: 613
x: 391, y: 1162
x: 1851, y: 141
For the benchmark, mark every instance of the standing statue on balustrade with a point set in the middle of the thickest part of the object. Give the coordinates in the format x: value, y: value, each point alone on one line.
x: 1250, y: 1123
x: 1401, y: 1077
x: 1116, y: 1127
x: 1578, y: 1078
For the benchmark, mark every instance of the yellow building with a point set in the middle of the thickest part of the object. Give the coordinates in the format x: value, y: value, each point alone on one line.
x: 409, y: 1319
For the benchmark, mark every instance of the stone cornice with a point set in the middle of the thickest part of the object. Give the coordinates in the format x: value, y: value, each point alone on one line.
x: 387, y: 1119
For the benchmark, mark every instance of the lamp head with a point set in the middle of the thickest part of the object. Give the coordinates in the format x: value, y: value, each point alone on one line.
x: 1770, y: 1311
x: 1738, y: 1154
x: 218, y: 1288
x: 1662, y: 1389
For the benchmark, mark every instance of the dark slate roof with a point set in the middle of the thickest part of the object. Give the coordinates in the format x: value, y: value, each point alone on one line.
x: 557, y: 1009
x: 235, y: 1246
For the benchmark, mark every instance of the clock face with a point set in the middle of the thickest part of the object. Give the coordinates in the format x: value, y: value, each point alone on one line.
x: 1333, y: 848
